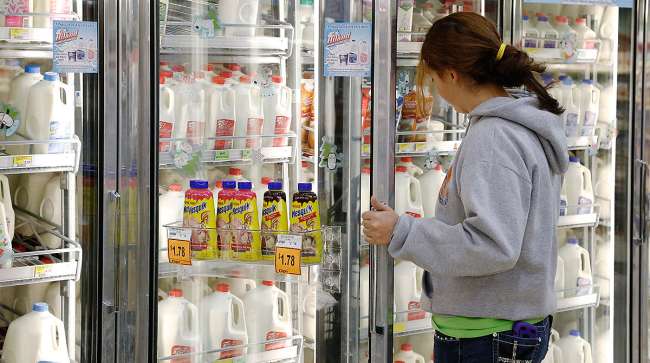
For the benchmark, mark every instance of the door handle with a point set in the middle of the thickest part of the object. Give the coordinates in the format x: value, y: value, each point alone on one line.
x: 640, y: 233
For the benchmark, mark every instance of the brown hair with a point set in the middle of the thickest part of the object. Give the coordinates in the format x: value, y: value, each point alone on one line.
x: 468, y: 43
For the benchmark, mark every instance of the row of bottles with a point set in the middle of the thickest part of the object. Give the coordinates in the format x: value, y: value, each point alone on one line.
x: 581, y: 103
x: 574, y: 276
x: 569, y: 349
x: 260, y: 318
x: 220, y: 102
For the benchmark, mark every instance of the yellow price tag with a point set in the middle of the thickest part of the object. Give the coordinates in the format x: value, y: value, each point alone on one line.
x: 41, y: 271
x: 287, y: 260
x: 399, y: 327
x: 179, y: 252
x: 17, y: 33
x: 22, y: 161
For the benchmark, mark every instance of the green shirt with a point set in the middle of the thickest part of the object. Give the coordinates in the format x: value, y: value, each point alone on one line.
x: 466, y: 327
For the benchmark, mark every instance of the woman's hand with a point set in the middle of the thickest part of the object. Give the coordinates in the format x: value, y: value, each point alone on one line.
x: 379, y: 223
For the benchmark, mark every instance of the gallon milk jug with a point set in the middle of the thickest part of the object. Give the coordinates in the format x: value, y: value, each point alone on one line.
x: 18, y: 98
x: 585, y: 37
x: 5, y: 198
x: 578, y: 188
x: 554, y: 353
x: 309, y: 313
x: 407, y: 355
x: 222, y: 323
x: 575, y: 349
x: 37, y: 336
x: 249, y: 113
x: 240, y: 286
x: 589, y: 107
x: 408, y: 290
x: 26, y: 295
x: 6, y: 250
x: 171, y: 210
x: 178, y: 325
x: 571, y: 109
x: 364, y: 295
x: 407, y: 161
x: 365, y: 190
x: 420, y: 25
x: 559, y: 278
x: 531, y: 34
x: 194, y: 288
x: 54, y: 118
x: 221, y: 119
x: 50, y: 210
x: 268, y: 317
x: 277, y: 112
x: 408, y: 197
x: 166, y: 115
x: 577, y: 268
x: 431, y: 181
x: 547, y: 34
x: 9, y: 69
x: 239, y: 12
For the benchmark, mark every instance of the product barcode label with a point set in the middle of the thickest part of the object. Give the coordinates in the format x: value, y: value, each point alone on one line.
x: 222, y: 155
x: 22, y: 161
x: 41, y: 271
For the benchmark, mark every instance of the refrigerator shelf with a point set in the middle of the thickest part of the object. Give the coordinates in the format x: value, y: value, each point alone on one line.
x: 591, y: 299
x: 35, y: 263
x: 402, y: 328
x: 583, y: 142
x: 584, y: 216
x: 562, y: 56
x: 406, y: 49
x: 66, y: 161
x: 255, y: 353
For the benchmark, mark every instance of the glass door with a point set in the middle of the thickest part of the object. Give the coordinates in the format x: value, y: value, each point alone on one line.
x: 587, y: 50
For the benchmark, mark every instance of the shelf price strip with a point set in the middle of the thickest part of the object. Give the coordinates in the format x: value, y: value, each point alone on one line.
x: 288, y: 253
x: 179, y: 251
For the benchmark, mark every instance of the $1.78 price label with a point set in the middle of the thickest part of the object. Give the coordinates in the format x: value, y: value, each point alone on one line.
x: 288, y: 253
x: 179, y: 252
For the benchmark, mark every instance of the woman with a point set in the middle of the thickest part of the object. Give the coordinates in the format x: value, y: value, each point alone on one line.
x: 489, y: 254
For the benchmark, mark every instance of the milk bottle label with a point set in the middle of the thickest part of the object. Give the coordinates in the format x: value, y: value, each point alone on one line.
x: 571, y: 124
x: 563, y: 205
x: 165, y: 129
x: 253, y: 127
x: 181, y: 349
x: 231, y: 353
x: 583, y: 285
x: 281, y: 127
x: 415, y: 311
x: 225, y: 127
x: 530, y: 40
x: 588, y: 123
x: 194, y: 131
x: 274, y: 335
x: 550, y: 40
x: 58, y: 130
x: 584, y: 205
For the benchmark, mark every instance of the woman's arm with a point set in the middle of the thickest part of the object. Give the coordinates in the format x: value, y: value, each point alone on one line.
x: 496, y: 202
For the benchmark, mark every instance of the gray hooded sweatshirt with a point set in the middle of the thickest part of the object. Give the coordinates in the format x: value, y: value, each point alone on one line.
x: 491, y: 250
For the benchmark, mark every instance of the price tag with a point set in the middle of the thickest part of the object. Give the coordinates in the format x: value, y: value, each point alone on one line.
x: 22, y: 161
x: 179, y: 252
x: 41, y: 271
x: 288, y: 254
x: 246, y: 154
x: 222, y: 155
x: 399, y: 327
x: 17, y: 33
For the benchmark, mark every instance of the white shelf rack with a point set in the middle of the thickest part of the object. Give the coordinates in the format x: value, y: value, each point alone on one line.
x: 65, y: 161
x: 573, y: 301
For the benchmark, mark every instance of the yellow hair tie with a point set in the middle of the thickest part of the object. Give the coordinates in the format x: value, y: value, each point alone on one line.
x: 502, y: 49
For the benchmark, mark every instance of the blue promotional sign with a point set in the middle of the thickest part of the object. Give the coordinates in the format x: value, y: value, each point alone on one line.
x: 74, y: 47
x: 347, y: 50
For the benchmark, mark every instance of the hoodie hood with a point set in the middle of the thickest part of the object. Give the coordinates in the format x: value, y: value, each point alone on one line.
x: 525, y: 112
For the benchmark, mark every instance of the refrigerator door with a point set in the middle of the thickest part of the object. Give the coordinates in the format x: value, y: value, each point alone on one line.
x: 593, y: 71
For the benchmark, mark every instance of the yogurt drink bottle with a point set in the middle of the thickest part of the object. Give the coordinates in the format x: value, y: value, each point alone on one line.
x: 222, y: 323
x: 178, y: 325
x: 166, y: 115
x: 589, y: 107
x: 54, y: 118
x: 575, y: 349
x: 407, y: 355
x: 44, y: 334
x: 221, y: 120
x: 250, y: 118
x: 268, y: 317
x: 171, y: 210
x: 199, y: 215
x: 277, y: 113
x: 577, y: 268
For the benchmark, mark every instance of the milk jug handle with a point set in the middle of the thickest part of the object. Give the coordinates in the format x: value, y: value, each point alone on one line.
x: 584, y: 260
x: 6, y: 193
x: 193, y: 315
x: 17, y: 192
x: 241, y: 318
x: 587, y: 353
x: 168, y: 93
x: 416, y: 186
x: 286, y: 314
x: 419, y: 359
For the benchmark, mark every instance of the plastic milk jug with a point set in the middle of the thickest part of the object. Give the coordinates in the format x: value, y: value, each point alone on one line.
x: 364, y: 294
x: 178, y: 325
x: 559, y: 278
x: 239, y: 12
x: 578, y: 188
x: 268, y: 316
x: 240, y: 287
x: 365, y: 190
x: 50, y: 209
x: 19, y: 93
x: 549, y: 36
x: 309, y: 313
x: 431, y: 181
x: 566, y: 33
x: 585, y: 37
x: 577, y: 268
x: 408, y: 291
x: 235, y: 71
x: 554, y: 353
x: 166, y: 115
x: 54, y: 118
x: 407, y: 161
x: 408, y: 198
x: 171, y: 210
x: 249, y: 115
x: 221, y: 119
x: 420, y: 25
x: 530, y: 33
x: 6, y: 250
x: 405, y: 20
x: 575, y: 349
x: 9, y: 69
x: 28, y: 195
x: 571, y: 114
x: 589, y: 107
x: 277, y: 113
x: 34, y: 337
x: 5, y: 199
x: 222, y: 323
x: 407, y: 355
